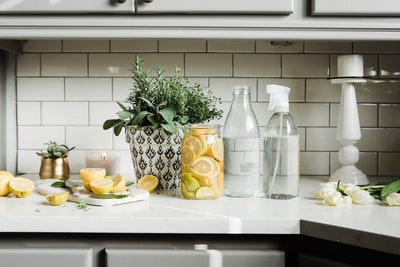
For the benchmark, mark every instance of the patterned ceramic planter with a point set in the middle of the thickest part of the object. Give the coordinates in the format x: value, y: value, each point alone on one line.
x: 158, y: 153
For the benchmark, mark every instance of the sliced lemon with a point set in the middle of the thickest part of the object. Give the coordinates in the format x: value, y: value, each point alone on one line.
x: 119, y: 184
x: 101, y: 185
x: 205, y: 167
x: 216, y: 149
x: 5, y: 178
x: 205, y: 192
x: 191, y: 183
x: 187, y: 155
x: 148, y: 182
x: 58, y: 199
x: 202, y: 131
x: 90, y: 174
x: 196, y: 144
x: 21, y: 187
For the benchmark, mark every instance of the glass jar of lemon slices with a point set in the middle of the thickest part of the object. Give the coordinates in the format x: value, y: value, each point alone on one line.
x: 202, y: 159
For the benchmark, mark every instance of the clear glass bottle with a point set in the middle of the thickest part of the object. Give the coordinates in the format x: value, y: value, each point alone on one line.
x: 241, y: 146
x: 281, y: 149
x: 202, y: 161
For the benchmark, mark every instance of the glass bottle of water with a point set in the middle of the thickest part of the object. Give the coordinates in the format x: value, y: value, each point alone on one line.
x: 241, y: 138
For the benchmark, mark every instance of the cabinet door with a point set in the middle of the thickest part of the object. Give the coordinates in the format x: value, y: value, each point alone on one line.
x: 66, y: 6
x: 213, y: 7
x: 194, y: 258
x: 43, y: 257
x: 356, y: 7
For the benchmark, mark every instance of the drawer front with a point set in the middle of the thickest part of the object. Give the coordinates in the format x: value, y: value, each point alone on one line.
x: 356, y: 7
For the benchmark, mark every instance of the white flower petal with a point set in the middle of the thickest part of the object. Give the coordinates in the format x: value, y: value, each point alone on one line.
x: 361, y: 197
x: 393, y: 199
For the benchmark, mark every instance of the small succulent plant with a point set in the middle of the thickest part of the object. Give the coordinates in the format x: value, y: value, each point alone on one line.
x: 55, y: 151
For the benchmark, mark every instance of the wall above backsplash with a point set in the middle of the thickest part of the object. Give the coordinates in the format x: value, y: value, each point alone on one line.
x: 66, y: 89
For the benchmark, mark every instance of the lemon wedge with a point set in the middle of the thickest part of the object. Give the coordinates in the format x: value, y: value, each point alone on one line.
x: 148, y: 182
x: 101, y: 185
x: 58, y: 199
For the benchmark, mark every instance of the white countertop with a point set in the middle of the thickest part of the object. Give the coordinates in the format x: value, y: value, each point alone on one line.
x: 167, y: 213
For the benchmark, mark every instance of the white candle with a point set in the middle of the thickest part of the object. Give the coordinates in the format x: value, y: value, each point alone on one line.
x: 106, y: 160
x: 350, y: 66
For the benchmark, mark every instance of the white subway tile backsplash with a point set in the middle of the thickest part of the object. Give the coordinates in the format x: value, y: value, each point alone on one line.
x: 257, y: 65
x: 64, y: 113
x: 223, y: 87
x: 328, y: 47
x: 86, y: 46
x: 306, y: 65
x: 311, y: 114
x: 297, y: 88
x: 34, y: 137
x: 139, y: 45
x: 212, y: 65
x: 40, y: 89
x: 279, y: 47
x: 226, y: 46
x: 176, y: 45
x: 88, y: 89
x: 28, y: 65
x: 389, y: 115
x: 43, y: 46
x: 89, y: 137
x: 67, y: 89
x: 65, y: 65
x: 28, y: 113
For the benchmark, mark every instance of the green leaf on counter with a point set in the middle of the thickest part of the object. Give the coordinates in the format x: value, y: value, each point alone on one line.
x: 108, y: 196
x: 58, y: 184
x: 392, y: 187
x: 129, y: 183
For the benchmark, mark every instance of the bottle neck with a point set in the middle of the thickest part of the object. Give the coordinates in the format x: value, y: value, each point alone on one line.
x: 241, y: 100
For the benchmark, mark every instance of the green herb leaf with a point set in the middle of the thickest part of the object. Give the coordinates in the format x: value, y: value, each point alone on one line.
x: 58, y: 184
x: 392, y: 187
x: 129, y: 183
x: 108, y: 196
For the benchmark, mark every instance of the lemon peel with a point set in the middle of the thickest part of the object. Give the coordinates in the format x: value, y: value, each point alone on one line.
x: 58, y: 199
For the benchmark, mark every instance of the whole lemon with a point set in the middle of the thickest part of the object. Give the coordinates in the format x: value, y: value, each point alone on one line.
x: 5, y: 178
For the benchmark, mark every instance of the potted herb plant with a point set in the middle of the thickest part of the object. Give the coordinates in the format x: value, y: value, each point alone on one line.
x: 54, y: 162
x: 153, y: 115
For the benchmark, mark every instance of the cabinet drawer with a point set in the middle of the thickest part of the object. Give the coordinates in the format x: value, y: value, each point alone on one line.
x: 213, y: 7
x: 43, y: 257
x: 356, y: 7
x: 193, y: 258
x: 65, y: 6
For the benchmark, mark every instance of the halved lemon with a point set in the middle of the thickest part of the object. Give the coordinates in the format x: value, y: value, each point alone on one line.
x: 101, y: 185
x: 21, y: 187
x: 119, y: 184
x: 205, y: 167
x: 90, y: 174
x: 5, y: 178
x: 58, y: 199
x: 216, y: 149
x: 205, y: 192
x: 148, y: 182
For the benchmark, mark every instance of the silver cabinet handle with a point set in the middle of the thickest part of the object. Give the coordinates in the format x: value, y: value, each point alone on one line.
x: 113, y: 2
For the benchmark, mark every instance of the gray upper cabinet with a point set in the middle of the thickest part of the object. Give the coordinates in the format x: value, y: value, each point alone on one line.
x: 66, y: 6
x: 356, y: 7
x: 215, y: 7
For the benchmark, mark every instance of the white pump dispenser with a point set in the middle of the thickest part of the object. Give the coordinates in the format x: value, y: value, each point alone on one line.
x: 281, y: 148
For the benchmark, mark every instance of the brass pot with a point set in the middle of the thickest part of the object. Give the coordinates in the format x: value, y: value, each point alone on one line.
x: 54, y: 168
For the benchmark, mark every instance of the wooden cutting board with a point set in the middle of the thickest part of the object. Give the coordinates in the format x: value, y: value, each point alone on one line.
x: 44, y: 187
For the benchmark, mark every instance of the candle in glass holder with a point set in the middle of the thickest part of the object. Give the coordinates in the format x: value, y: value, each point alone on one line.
x: 106, y: 160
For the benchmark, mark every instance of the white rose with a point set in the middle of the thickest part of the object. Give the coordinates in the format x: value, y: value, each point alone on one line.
x: 325, y: 191
x: 349, y: 188
x: 393, y: 199
x: 336, y: 199
x: 361, y: 197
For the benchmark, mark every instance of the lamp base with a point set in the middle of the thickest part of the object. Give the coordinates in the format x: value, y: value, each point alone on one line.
x: 349, y: 174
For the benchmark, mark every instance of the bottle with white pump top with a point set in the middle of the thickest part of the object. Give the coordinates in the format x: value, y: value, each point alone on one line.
x: 281, y: 148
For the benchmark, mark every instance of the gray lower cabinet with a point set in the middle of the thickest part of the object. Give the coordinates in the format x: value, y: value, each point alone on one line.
x: 194, y: 258
x: 46, y: 257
